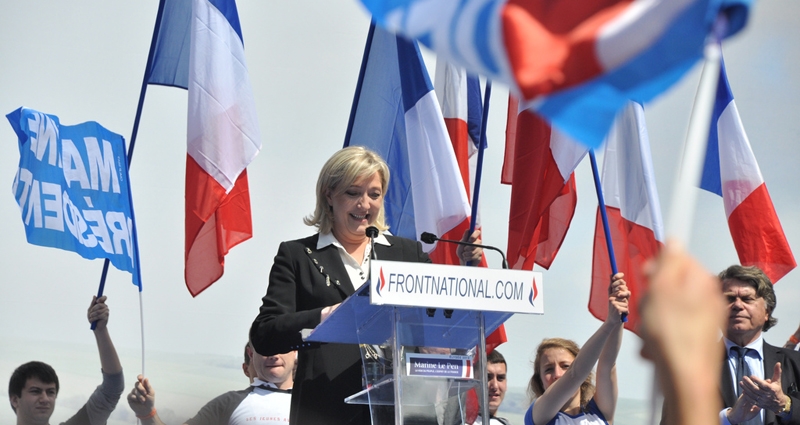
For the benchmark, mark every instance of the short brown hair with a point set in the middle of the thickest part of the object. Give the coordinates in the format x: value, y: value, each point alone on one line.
x: 495, y: 357
x: 39, y: 370
x: 754, y: 277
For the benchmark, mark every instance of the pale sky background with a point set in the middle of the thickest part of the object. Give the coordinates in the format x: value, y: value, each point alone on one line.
x: 84, y: 60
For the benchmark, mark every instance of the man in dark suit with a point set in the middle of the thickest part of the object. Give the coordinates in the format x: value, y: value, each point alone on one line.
x: 759, y: 381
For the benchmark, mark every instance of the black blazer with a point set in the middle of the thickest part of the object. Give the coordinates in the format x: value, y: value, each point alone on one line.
x: 790, y: 379
x: 302, y: 282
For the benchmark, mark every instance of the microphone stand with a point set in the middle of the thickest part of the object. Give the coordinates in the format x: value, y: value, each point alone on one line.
x: 372, y: 233
x: 430, y: 238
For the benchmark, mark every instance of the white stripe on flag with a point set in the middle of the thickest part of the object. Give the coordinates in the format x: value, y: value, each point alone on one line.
x: 223, y: 134
x: 440, y: 201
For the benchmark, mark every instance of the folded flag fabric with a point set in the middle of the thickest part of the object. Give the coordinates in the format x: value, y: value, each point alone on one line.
x: 730, y: 170
x: 576, y: 63
x: 633, y: 210
x: 462, y: 108
x: 460, y: 101
x: 539, y: 164
x: 198, y: 46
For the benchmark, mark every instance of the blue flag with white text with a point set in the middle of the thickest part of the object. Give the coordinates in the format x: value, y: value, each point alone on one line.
x: 73, y: 189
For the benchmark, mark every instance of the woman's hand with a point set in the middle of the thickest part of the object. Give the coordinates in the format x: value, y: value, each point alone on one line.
x: 618, y: 295
x: 470, y: 254
x: 327, y: 311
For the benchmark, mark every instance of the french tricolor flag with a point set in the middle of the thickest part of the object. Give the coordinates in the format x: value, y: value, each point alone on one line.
x: 396, y: 113
x: 459, y: 96
x: 575, y: 62
x: 731, y: 171
x: 198, y: 46
x: 633, y: 210
x: 460, y: 101
x: 539, y: 165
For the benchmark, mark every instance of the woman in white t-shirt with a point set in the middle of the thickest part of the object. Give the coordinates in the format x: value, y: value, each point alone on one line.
x: 561, y: 386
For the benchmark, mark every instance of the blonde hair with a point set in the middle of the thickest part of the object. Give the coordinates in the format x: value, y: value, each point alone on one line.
x: 343, y: 169
x: 536, y: 386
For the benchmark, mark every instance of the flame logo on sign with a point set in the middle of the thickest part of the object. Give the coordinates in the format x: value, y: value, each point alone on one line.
x: 381, y: 282
x: 534, y: 293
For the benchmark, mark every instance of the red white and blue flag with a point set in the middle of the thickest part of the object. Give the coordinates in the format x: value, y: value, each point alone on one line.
x: 731, y: 171
x: 459, y: 96
x: 198, y: 45
x: 460, y: 100
x: 633, y: 210
x: 396, y: 113
x: 576, y: 63
x: 539, y: 165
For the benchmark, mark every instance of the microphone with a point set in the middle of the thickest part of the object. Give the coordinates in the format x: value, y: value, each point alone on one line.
x: 372, y: 233
x: 430, y: 238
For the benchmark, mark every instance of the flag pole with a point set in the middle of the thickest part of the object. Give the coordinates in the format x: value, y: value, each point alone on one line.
x: 135, y: 131
x: 476, y: 190
x: 601, y: 205
x: 684, y: 192
x: 479, y: 166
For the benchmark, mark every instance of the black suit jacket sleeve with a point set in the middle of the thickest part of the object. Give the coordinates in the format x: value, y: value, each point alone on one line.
x: 303, y: 281
x: 790, y: 377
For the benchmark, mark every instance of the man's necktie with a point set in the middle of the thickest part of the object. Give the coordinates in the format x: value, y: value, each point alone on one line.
x: 742, y: 370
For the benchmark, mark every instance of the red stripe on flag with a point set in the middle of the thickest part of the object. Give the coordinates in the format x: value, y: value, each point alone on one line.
x: 633, y: 246
x: 758, y: 236
x: 542, y: 203
x: 459, y: 137
x: 215, y: 223
x: 551, y: 45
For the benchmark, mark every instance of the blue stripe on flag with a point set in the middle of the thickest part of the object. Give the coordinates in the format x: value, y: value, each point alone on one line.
x: 228, y: 9
x: 414, y: 82
x: 170, y: 58
x: 474, y: 109
x: 711, y: 180
x: 378, y: 123
x: 482, y: 38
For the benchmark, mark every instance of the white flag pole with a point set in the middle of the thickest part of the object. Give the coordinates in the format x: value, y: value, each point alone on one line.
x: 684, y: 189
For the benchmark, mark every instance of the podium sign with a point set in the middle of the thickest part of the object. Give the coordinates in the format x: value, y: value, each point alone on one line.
x: 422, y: 330
x: 456, y: 287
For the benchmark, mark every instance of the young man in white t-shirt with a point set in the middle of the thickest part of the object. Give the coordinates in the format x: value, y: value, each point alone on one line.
x: 266, y: 401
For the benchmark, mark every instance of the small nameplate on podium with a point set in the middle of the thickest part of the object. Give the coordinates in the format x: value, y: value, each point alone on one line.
x: 456, y: 287
x: 439, y: 366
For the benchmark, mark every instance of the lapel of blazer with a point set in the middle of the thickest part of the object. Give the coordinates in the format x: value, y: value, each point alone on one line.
x: 331, y: 262
x: 770, y: 358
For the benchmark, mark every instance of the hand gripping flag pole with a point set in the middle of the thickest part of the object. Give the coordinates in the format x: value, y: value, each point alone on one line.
x: 602, y: 207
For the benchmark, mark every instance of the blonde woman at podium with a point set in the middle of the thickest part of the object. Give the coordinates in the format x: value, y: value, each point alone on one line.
x: 312, y: 276
x: 561, y: 385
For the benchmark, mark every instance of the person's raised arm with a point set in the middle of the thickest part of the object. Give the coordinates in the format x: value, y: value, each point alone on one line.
x: 98, y: 311
x: 681, y: 317
x: 606, y: 384
x: 142, y: 400
x: 559, y: 393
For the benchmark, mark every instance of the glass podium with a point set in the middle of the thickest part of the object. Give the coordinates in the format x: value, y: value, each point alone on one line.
x: 421, y: 365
